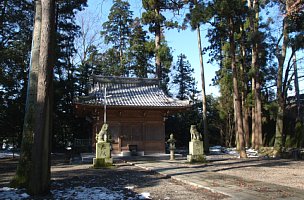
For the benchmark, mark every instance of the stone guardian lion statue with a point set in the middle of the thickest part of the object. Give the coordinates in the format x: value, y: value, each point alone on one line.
x: 103, y: 135
x: 195, y: 135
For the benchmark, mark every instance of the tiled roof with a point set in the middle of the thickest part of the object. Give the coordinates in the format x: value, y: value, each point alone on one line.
x: 128, y: 92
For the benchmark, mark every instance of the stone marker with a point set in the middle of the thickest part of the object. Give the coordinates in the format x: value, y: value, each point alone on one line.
x: 196, y: 146
x: 103, y: 148
x: 171, y: 142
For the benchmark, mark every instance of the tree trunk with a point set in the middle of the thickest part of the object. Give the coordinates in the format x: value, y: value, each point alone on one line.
x: 253, y: 132
x: 257, y: 102
x: 258, y: 114
x: 244, y: 90
x: 238, y: 111
x: 40, y: 172
x: 296, y: 85
x: 22, y: 176
x: 257, y: 107
x: 257, y: 92
x: 246, y: 126
x: 157, y: 47
x: 237, y: 141
x: 281, y: 55
x: 204, y: 101
x: 122, y: 67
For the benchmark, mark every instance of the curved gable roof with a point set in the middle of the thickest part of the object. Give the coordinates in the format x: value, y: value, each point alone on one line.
x: 128, y: 92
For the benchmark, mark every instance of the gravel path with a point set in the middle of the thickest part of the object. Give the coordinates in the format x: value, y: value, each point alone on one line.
x: 282, y: 172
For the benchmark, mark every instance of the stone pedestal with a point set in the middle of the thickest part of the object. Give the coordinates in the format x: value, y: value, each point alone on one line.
x: 103, y: 155
x: 172, y: 155
x: 196, y: 151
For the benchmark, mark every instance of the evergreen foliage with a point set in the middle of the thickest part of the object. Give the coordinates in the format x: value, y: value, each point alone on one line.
x: 133, y: 55
x: 117, y: 31
x: 184, y: 79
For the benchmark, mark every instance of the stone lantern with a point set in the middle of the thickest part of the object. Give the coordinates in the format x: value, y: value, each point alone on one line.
x: 171, y: 142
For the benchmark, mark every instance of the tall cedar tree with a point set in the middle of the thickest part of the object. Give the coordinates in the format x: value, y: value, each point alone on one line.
x: 117, y: 31
x: 157, y: 21
x: 257, y: 140
x: 196, y: 17
x: 291, y: 37
x: 22, y: 176
x: 231, y: 18
x: 281, y: 55
x: 39, y: 182
x: 140, y: 52
x: 63, y: 26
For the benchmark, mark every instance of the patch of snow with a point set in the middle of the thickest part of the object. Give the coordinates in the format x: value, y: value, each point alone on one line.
x: 87, y: 193
x: 129, y: 187
x: 251, y: 153
x: 144, y: 195
x: 93, y: 193
x: 6, y: 189
x: 8, y: 155
x: 216, y: 150
x: 24, y: 195
x: 12, y: 193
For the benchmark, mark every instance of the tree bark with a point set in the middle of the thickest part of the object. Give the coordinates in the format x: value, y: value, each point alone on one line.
x: 257, y: 92
x: 253, y: 132
x: 257, y: 103
x: 157, y: 46
x: 258, y: 114
x: 204, y: 101
x: 296, y: 85
x: 244, y: 90
x: 40, y: 172
x: 22, y: 176
x: 281, y: 55
x: 237, y: 100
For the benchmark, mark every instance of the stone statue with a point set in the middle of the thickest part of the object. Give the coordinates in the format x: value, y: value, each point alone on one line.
x: 103, y: 148
x: 103, y: 135
x: 195, y: 135
x: 196, y: 146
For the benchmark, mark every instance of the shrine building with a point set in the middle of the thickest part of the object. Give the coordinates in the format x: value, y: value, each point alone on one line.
x: 136, y: 110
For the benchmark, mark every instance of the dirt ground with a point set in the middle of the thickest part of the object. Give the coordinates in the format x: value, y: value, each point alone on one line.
x: 122, y: 177
x: 133, y: 180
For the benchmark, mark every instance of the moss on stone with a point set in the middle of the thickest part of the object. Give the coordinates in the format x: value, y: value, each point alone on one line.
x: 197, y: 158
x: 101, y: 163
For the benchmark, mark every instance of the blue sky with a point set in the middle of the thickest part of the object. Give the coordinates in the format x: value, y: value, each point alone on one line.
x: 186, y: 41
x: 180, y: 41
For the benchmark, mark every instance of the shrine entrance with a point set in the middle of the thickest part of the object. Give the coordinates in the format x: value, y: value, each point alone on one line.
x: 136, y: 109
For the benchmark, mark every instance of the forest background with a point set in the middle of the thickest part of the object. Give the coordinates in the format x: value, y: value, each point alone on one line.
x: 78, y: 55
